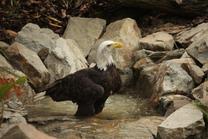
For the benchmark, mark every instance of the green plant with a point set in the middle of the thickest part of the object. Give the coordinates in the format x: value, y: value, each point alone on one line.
x: 7, y: 86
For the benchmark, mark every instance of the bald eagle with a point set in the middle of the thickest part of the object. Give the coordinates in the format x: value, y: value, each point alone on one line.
x: 89, y: 88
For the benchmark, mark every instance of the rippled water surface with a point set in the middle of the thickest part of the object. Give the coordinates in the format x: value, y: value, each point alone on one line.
x: 117, y: 120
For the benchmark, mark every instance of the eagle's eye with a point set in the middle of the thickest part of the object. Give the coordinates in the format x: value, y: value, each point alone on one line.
x: 109, y: 45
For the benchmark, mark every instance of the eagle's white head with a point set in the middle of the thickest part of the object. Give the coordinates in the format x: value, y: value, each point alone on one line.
x: 104, y: 53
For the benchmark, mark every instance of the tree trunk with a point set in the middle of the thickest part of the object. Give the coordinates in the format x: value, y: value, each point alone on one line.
x: 190, y: 7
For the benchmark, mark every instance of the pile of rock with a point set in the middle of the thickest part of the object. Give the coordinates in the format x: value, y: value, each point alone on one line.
x: 173, y: 77
x: 160, y: 71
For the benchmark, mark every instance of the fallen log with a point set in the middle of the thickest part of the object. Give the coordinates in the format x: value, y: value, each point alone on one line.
x: 182, y: 7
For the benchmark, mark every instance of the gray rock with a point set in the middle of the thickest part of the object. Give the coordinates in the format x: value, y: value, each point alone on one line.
x: 53, y: 49
x: 28, y: 61
x: 68, y: 59
x: 186, y: 122
x: 159, y: 41
x: 127, y: 32
x: 194, y: 34
x: 199, y: 49
x: 172, y: 78
x: 85, y: 31
x: 201, y: 93
x: 36, y: 38
x: 25, y: 131
x: 194, y: 71
x: 170, y: 103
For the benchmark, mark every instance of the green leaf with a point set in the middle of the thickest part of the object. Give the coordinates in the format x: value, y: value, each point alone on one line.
x: 21, y: 80
x: 5, y: 88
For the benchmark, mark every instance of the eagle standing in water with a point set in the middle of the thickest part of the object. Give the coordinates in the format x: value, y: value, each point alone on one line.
x: 91, y: 87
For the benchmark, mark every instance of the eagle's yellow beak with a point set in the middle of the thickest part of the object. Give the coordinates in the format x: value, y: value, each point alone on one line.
x: 117, y: 45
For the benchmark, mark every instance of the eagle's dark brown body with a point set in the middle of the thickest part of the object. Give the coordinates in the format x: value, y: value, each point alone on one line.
x: 89, y: 88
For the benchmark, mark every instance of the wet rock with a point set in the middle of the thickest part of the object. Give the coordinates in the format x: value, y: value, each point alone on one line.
x: 201, y: 93
x: 36, y: 38
x: 68, y: 59
x: 194, y: 34
x: 172, y: 78
x: 25, y: 131
x: 170, y: 103
x: 151, y: 123
x: 28, y: 61
x: 85, y: 31
x: 195, y: 72
x: 144, y: 128
x: 199, y: 50
x: 139, y: 65
x: 186, y: 122
x: 127, y: 32
x: 146, y: 81
x: 48, y: 110
x: 159, y: 41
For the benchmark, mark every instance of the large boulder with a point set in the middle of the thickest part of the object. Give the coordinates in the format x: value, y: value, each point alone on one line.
x: 36, y: 38
x: 28, y: 62
x: 67, y: 58
x: 199, y: 49
x: 85, y: 31
x: 194, y: 34
x: 186, y: 122
x: 127, y: 32
x: 53, y: 49
x: 25, y: 131
x: 172, y: 78
x: 159, y: 41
